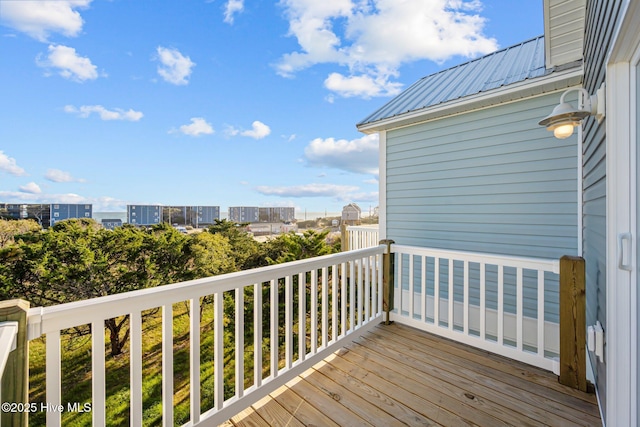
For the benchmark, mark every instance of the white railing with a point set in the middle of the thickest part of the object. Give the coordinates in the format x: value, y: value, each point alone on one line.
x: 8, y: 335
x: 344, y: 294
x: 362, y: 236
x: 502, y: 304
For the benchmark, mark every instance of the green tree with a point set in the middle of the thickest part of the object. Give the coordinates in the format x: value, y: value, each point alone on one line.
x: 211, y: 254
x: 246, y: 252
x: 78, y: 259
x: 9, y: 229
x: 292, y: 246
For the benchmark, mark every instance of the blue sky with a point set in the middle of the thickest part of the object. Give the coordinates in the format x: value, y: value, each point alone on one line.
x: 223, y: 102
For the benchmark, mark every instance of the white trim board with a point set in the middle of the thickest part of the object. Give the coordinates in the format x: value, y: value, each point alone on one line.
x: 622, y: 310
x: 382, y: 184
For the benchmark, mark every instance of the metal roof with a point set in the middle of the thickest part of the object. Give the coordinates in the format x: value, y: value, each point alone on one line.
x: 501, y: 68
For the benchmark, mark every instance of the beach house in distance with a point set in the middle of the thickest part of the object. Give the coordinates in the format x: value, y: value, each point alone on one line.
x: 465, y: 165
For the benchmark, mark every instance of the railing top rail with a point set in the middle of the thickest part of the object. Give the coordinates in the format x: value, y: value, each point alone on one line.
x: 47, y: 319
x: 552, y: 265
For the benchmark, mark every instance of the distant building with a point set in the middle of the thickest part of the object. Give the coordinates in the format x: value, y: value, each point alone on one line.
x: 194, y: 216
x: 111, y: 223
x: 241, y: 214
x: 351, y: 214
x: 277, y: 214
x: 253, y: 214
x: 60, y: 212
x: 206, y: 215
x: 46, y: 214
x: 144, y: 214
x: 41, y: 213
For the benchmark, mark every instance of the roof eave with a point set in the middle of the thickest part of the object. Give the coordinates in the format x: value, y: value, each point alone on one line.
x: 552, y: 82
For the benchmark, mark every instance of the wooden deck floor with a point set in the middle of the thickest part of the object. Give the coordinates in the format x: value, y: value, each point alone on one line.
x: 396, y: 375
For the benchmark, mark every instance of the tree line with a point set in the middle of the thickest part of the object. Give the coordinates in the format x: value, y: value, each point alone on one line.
x: 78, y: 259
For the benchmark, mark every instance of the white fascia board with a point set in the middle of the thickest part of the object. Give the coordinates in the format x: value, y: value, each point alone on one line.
x: 551, y: 83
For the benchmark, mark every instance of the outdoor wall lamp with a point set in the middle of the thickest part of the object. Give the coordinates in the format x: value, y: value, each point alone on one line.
x: 565, y: 117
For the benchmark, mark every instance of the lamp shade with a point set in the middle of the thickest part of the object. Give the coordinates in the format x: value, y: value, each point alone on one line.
x: 563, y: 114
x: 565, y: 117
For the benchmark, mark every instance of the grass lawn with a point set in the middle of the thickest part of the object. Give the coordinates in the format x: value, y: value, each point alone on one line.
x: 76, y: 370
x: 76, y: 361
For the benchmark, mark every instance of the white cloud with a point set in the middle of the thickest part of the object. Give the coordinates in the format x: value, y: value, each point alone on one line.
x: 374, y: 38
x: 108, y: 204
x: 31, y: 188
x: 280, y: 204
x: 363, y: 86
x: 15, y: 196
x: 342, y: 193
x: 372, y: 197
x: 174, y: 67
x: 231, y: 131
x: 198, y: 126
x: 358, y: 155
x: 310, y: 21
x: 307, y: 190
x: 231, y: 8
x: 258, y: 130
x: 39, y: 18
x: 57, y: 175
x: 85, y: 111
x: 69, y: 63
x: 9, y: 165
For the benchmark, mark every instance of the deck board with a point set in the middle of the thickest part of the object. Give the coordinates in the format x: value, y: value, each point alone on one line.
x: 397, y: 375
x: 504, y: 389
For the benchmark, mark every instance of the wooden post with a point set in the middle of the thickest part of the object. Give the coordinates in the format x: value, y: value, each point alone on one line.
x: 14, y: 387
x: 344, y: 238
x: 573, y: 363
x: 387, y: 279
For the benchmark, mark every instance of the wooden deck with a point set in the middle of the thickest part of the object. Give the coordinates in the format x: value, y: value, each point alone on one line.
x: 397, y: 375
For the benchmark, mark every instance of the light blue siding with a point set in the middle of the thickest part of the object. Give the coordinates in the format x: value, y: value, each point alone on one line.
x: 487, y: 181
x: 490, y: 181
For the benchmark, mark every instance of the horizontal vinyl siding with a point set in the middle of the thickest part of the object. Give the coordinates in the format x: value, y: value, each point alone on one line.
x: 488, y: 181
x: 566, y: 27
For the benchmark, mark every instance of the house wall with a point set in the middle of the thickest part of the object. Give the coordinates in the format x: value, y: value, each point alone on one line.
x: 564, y: 30
x: 487, y: 181
x: 490, y: 181
x: 601, y: 20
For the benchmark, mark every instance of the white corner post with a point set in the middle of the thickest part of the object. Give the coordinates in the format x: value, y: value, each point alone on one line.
x: 382, y: 185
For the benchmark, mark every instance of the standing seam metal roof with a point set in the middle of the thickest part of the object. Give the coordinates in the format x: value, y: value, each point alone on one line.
x: 501, y: 68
